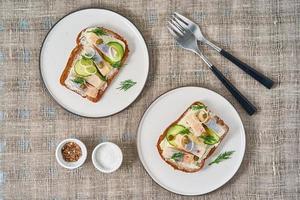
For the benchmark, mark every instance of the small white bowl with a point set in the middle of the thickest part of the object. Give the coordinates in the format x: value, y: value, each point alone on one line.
x: 71, y: 165
x: 107, y: 157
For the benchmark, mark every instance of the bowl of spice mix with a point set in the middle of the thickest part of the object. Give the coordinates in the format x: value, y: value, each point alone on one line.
x: 71, y: 153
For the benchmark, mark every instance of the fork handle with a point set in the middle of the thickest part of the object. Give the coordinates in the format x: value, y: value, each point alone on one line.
x: 245, y: 103
x: 268, y: 83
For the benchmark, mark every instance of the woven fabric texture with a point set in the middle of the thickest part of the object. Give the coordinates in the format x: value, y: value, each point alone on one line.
x: 263, y: 33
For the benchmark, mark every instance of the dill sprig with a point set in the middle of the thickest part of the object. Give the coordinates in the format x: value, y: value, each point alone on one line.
x: 177, y: 156
x: 79, y: 80
x: 223, y: 156
x: 116, y: 64
x: 125, y: 85
x: 209, y: 139
x: 98, y: 31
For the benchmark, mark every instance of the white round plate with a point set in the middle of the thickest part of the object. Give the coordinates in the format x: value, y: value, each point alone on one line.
x: 165, y: 110
x: 58, y: 45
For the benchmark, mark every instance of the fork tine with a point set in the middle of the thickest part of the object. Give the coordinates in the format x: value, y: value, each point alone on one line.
x: 178, y: 26
x: 179, y: 22
x: 172, y: 32
x: 175, y: 29
x: 183, y: 18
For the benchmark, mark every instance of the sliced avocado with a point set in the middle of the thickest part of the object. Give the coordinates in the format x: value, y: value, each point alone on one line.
x: 175, y: 130
x: 115, y: 56
x: 209, y: 137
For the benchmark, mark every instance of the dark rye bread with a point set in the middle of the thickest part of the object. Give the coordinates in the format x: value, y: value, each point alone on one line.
x: 162, y: 137
x: 77, y: 50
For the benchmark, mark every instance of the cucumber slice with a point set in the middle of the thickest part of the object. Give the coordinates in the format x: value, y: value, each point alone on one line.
x: 86, y: 62
x: 85, y: 67
x: 88, y: 53
x: 91, y: 69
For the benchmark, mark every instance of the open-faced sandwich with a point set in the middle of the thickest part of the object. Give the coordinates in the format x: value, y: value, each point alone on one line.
x: 94, y: 62
x: 192, y: 138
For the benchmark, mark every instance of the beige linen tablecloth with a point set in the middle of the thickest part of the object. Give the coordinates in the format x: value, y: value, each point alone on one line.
x: 263, y: 33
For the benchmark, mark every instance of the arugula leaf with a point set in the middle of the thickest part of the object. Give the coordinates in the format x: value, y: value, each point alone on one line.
x: 125, y: 85
x: 79, y: 80
x: 116, y: 64
x: 177, y: 156
x: 98, y: 31
x: 223, y: 156
x: 198, y: 107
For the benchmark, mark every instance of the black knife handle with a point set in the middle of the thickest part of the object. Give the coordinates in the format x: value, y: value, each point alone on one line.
x: 245, y: 103
x: 268, y: 83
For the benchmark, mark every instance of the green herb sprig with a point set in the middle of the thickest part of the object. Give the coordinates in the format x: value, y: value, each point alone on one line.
x: 98, y: 31
x: 223, y: 156
x: 125, y: 85
x: 184, y: 131
x: 209, y: 139
x: 177, y: 156
x: 198, y: 107
x: 116, y: 64
x: 79, y: 80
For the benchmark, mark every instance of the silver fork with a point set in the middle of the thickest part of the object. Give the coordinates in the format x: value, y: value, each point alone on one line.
x: 195, y: 29
x: 187, y: 40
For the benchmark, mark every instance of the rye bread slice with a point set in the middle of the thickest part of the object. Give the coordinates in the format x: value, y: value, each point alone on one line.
x: 164, y: 134
x: 76, y: 52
